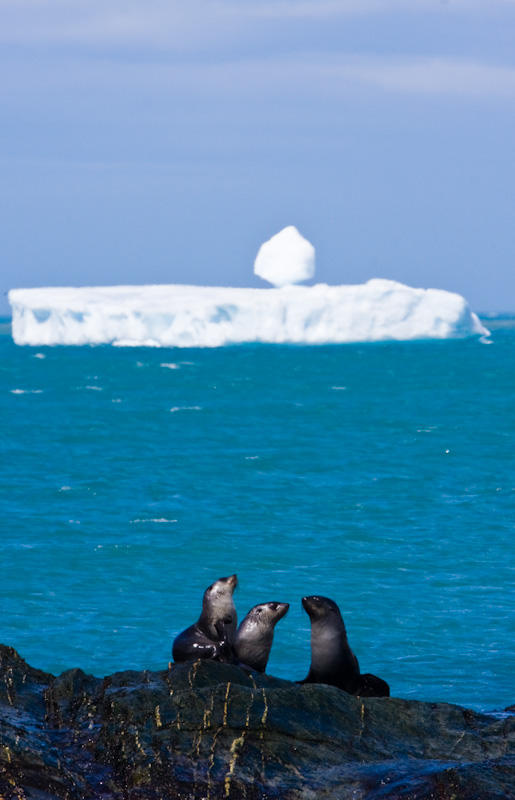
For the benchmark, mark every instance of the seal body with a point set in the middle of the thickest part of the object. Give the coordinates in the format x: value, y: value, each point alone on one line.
x: 212, y: 636
x: 256, y: 633
x: 332, y: 660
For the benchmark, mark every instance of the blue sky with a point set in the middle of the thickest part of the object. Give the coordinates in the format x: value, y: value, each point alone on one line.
x: 164, y: 141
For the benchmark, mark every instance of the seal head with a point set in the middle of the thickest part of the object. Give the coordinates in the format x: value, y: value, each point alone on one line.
x: 332, y: 660
x: 256, y: 634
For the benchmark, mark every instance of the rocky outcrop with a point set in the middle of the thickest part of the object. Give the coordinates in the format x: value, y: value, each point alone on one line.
x: 208, y: 730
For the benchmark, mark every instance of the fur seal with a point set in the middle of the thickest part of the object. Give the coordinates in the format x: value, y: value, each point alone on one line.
x: 332, y: 660
x: 212, y: 636
x: 256, y: 633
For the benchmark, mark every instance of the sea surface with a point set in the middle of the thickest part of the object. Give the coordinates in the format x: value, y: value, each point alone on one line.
x: 380, y: 475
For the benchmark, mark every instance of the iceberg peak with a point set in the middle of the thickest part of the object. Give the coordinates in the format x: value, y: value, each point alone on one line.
x: 285, y: 259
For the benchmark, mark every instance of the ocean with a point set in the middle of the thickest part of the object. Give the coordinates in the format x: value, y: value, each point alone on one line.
x: 380, y: 475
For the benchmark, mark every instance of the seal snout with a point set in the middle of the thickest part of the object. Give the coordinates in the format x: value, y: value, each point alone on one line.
x: 280, y: 609
x: 307, y: 604
x: 231, y: 581
x: 316, y: 606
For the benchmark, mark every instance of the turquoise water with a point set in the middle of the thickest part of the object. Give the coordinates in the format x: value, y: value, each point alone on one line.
x: 382, y: 476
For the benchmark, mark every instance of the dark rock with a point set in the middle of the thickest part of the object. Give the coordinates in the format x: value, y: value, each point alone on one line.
x: 208, y: 730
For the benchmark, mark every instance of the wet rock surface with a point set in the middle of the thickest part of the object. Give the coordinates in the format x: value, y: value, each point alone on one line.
x: 207, y: 730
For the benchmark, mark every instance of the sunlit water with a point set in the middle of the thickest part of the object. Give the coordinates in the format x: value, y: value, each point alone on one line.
x: 382, y: 476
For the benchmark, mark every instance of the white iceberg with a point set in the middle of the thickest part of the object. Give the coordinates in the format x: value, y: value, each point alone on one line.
x: 202, y: 316
x: 286, y: 258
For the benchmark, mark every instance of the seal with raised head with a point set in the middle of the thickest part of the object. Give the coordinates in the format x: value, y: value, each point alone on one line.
x: 256, y: 633
x: 212, y: 636
x: 332, y: 660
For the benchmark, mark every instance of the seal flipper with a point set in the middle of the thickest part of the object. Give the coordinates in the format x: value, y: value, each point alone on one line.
x: 225, y: 650
x: 192, y: 644
x: 203, y: 651
x: 371, y: 686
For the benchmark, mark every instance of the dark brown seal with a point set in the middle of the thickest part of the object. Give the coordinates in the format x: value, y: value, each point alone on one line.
x: 212, y: 636
x: 332, y: 660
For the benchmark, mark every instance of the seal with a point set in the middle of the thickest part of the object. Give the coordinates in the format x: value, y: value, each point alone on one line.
x: 332, y: 660
x: 256, y: 633
x: 212, y: 636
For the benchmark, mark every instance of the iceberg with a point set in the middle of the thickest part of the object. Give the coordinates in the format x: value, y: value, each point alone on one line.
x: 202, y: 316
x: 286, y: 258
